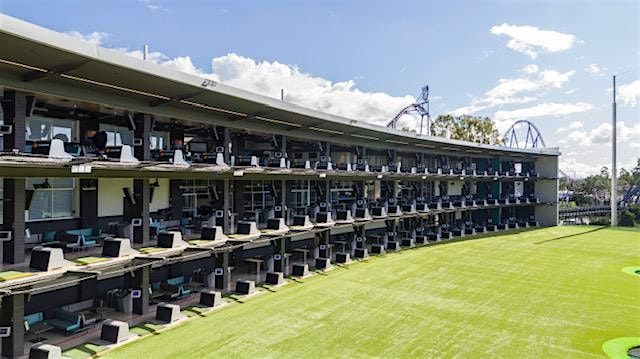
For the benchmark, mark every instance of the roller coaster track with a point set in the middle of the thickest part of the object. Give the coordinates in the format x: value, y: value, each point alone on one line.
x: 532, y: 137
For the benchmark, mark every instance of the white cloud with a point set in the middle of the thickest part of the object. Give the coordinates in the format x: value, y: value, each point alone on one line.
x: 339, y: 98
x: 601, y: 135
x: 555, y: 78
x: 594, y: 69
x: 630, y: 93
x: 153, y: 7
x: 572, y: 126
x: 94, y: 38
x: 268, y: 78
x: 531, y: 40
x: 543, y: 109
x: 486, y: 53
x: 530, y: 69
x: 511, y: 91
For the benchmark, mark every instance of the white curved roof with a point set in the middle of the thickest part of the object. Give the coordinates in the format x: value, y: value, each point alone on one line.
x: 40, y: 60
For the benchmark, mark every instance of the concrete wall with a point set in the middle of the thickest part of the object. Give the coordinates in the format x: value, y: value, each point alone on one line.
x: 110, y: 197
x: 161, y: 196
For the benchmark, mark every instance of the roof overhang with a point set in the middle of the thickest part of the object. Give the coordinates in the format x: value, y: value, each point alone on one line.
x: 39, y: 60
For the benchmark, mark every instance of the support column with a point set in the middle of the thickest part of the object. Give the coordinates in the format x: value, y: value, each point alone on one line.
x: 283, y: 145
x: 88, y: 202
x: 280, y: 263
x: 142, y: 132
x: 327, y: 194
x: 141, y: 280
x: 496, y: 190
x: 221, y: 272
x: 227, y: 146
x: 323, y: 249
x: 226, y: 208
x: 141, y: 191
x: 12, y: 316
x: 15, y: 114
x: 176, y: 198
x: 88, y: 187
x: 14, y: 106
x: 283, y: 200
x: 14, y: 219
x: 238, y: 203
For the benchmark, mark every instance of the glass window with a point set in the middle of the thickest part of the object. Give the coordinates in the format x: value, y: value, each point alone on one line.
x: 45, y: 129
x: 52, y: 198
x: 195, y: 196
x: 159, y: 140
x: 117, y: 135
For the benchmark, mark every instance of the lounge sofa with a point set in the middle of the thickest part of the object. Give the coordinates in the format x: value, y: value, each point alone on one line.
x: 84, y: 238
x: 174, y: 288
x: 34, y: 323
x: 66, y: 321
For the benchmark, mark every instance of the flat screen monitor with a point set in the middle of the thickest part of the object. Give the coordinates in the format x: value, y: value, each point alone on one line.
x: 244, y: 228
x: 128, y: 195
x: 213, y: 194
x: 199, y: 147
x: 136, y: 293
x: 5, y: 332
x: 6, y: 129
x: 28, y: 198
x: 152, y: 190
x: 5, y: 236
x: 136, y: 222
x: 40, y: 260
x: 111, y: 249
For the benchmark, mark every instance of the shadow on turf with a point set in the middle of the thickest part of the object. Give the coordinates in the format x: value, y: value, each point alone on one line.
x: 195, y: 312
x: 83, y: 348
x: 267, y: 288
x: 570, y: 235
x: 148, y: 328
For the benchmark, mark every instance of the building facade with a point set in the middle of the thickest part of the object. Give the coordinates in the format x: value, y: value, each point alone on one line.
x: 124, y: 183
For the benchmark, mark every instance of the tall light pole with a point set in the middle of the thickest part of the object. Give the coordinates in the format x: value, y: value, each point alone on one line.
x: 614, y: 175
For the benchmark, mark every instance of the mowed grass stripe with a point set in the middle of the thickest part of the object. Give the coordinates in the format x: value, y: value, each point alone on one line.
x: 554, y: 293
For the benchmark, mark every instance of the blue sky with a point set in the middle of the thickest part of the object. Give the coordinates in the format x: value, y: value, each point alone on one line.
x: 549, y: 62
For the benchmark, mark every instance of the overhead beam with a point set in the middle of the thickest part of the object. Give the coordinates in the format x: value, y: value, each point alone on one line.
x: 159, y: 102
x: 58, y: 70
x: 251, y: 116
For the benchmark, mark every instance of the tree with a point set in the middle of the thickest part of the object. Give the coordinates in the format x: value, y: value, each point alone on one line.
x: 625, y: 178
x: 636, y: 171
x: 627, y: 219
x: 604, y: 172
x: 466, y: 128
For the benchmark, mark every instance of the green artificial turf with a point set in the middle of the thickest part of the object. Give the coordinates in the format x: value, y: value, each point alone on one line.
x: 145, y: 328
x: 12, y: 274
x: 83, y: 261
x: 550, y: 293
x: 618, y: 348
x: 83, y: 351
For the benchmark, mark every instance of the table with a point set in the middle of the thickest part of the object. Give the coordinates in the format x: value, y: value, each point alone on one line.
x: 257, y: 262
x: 304, y: 252
x: 343, y: 245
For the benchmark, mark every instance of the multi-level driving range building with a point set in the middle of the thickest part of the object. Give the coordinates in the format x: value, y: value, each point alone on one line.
x: 124, y: 184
